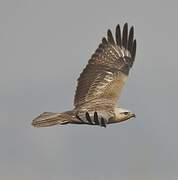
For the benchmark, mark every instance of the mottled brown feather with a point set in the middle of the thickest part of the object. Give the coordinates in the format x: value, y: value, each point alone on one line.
x: 105, y: 74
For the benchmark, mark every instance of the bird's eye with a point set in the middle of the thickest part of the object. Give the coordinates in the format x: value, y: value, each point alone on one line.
x: 125, y: 113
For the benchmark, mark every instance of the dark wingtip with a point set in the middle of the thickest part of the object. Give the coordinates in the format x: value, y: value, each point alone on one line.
x: 124, y: 39
x: 125, y: 35
x: 133, y: 52
x: 126, y: 24
x: 130, y: 40
x: 78, y: 117
x: 88, y: 118
x: 118, y: 35
x: 103, y: 123
x: 110, y: 37
x: 96, y: 120
x: 104, y: 40
x: 134, y: 48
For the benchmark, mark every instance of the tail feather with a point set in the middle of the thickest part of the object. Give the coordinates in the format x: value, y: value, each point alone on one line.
x: 50, y: 119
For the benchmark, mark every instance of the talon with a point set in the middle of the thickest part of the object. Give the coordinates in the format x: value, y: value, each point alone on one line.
x: 96, y: 120
x: 88, y: 118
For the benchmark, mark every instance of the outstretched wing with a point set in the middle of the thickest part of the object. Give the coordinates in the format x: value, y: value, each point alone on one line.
x: 105, y: 74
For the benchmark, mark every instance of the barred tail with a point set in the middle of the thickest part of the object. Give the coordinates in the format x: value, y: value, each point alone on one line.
x: 50, y: 119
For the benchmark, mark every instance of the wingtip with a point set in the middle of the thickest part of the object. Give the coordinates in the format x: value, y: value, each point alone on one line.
x: 118, y: 35
x: 130, y: 39
x: 126, y: 24
x: 104, y: 40
x: 110, y: 37
x: 125, y: 35
x: 134, y: 48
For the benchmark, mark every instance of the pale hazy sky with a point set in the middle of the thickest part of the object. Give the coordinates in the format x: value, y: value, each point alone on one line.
x: 44, y: 46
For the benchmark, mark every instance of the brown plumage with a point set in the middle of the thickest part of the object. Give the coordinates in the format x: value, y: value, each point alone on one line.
x: 100, y: 84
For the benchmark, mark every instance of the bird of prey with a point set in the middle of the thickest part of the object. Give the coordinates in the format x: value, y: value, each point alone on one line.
x: 100, y: 84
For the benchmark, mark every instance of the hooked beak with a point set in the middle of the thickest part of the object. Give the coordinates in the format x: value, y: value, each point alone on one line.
x: 133, y: 115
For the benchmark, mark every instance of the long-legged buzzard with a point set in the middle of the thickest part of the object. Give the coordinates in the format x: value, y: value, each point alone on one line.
x: 100, y: 84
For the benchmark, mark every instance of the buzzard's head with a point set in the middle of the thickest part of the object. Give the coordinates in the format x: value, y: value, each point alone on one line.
x: 123, y: 114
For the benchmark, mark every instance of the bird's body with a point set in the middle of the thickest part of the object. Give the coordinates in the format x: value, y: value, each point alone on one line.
x: 100, y: 84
